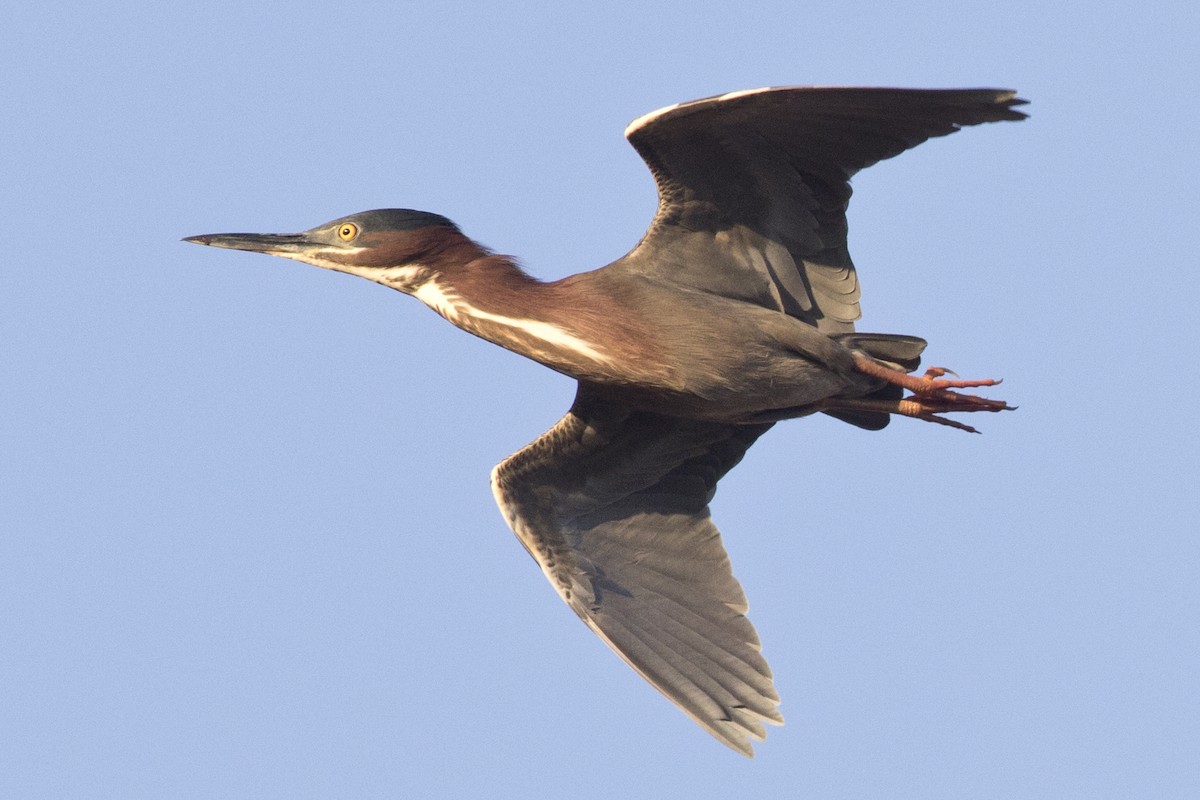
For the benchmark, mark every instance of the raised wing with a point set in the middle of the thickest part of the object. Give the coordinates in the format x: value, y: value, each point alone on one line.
x: 613, y: 505
x: 753, y: 186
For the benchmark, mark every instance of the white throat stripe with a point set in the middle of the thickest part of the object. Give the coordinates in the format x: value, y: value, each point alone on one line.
x: 457, y: 310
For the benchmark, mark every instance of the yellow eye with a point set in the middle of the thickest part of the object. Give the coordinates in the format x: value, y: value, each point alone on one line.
x: 347, y: 231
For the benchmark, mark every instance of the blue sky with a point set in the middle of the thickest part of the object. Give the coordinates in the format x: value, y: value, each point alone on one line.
x: 247, y: 547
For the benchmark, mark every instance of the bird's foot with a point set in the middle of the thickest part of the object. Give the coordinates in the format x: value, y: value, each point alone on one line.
x: 931, y: 394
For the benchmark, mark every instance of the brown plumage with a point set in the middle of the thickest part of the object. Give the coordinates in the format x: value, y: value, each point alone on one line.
x: 734, y: 311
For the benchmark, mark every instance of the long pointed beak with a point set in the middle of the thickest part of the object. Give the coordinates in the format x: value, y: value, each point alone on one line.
x: 275, y: 244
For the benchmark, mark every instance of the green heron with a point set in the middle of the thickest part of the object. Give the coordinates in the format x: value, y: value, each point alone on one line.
x: 735, y: 310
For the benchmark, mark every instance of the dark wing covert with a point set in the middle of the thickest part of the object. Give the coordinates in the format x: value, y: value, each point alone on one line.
x: 753, y: 186
x: 613, y: 505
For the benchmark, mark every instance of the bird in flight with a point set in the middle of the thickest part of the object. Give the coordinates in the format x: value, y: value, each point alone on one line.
x: 735, y: 311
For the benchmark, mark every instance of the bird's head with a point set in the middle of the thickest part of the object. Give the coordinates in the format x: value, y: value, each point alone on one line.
x: 391, y: 246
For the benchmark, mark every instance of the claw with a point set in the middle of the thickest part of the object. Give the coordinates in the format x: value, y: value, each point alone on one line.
x: 943, y: 421
x: 932, y: 395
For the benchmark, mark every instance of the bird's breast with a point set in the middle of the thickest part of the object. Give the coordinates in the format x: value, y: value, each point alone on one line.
x: 558, y: 345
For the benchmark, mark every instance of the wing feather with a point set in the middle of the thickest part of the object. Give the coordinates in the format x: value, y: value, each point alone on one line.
x: 613, y: 505
x: 747, y: 176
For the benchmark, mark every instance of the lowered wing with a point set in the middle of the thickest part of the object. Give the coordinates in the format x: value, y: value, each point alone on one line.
x: 613, y: 505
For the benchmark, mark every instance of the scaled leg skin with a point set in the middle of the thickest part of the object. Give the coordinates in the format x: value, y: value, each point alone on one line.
x: 931, y: 395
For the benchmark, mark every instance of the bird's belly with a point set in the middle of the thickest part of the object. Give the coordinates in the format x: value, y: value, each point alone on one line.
x: 736, y: 385
x: 706, y: 358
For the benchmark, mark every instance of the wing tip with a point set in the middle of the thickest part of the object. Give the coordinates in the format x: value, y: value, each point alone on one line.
x: 1001, y: 105
x: 738, y: 734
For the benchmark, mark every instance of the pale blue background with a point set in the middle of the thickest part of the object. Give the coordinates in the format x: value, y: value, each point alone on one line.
x: 248, y: 546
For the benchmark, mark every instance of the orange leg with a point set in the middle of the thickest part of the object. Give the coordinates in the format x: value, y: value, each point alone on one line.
x: 931, y: 394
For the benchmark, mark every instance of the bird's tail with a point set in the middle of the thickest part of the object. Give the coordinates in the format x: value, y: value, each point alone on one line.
x: 895, y: 350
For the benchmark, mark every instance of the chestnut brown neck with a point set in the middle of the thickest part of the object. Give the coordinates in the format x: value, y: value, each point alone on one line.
x: 571, y: 325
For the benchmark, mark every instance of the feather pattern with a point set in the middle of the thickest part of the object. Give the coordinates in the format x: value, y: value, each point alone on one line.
x: 754, y: 185
x: 613, y: 505
x: 736, y: 309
